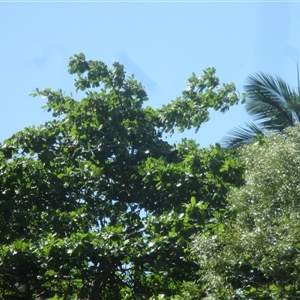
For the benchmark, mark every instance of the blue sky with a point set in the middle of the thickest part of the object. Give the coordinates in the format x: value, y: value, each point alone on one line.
x: 161, y: 43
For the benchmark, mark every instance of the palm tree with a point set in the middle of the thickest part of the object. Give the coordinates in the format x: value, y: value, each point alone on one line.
x: 272, y: 103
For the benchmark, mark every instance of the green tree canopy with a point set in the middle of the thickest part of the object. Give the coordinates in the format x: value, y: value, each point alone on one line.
x: 254, y: 254
x: 90, y: 208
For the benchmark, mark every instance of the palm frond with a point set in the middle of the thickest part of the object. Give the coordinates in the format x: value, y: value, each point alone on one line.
x: 241, y: 135
x: 271, y: 101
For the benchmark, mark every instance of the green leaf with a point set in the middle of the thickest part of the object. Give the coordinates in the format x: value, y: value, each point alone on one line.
x: 193, y: 200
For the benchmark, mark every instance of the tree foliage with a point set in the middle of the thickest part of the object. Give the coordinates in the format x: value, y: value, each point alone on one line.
x: 255, y: 253
x: 90, y: 207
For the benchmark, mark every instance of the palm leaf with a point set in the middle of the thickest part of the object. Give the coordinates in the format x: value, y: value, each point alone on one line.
x: 271, y: 101
x: 241, y: 135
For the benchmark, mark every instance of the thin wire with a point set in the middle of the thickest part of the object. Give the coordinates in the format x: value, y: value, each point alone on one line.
x: 298, y: 77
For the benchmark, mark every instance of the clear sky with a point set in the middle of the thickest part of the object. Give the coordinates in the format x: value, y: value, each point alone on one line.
x: 161, y: 43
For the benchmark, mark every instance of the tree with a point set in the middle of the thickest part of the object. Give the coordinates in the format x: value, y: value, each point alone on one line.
x: 90, y: 208
x: 254, y: 252
x: 271, y: 102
